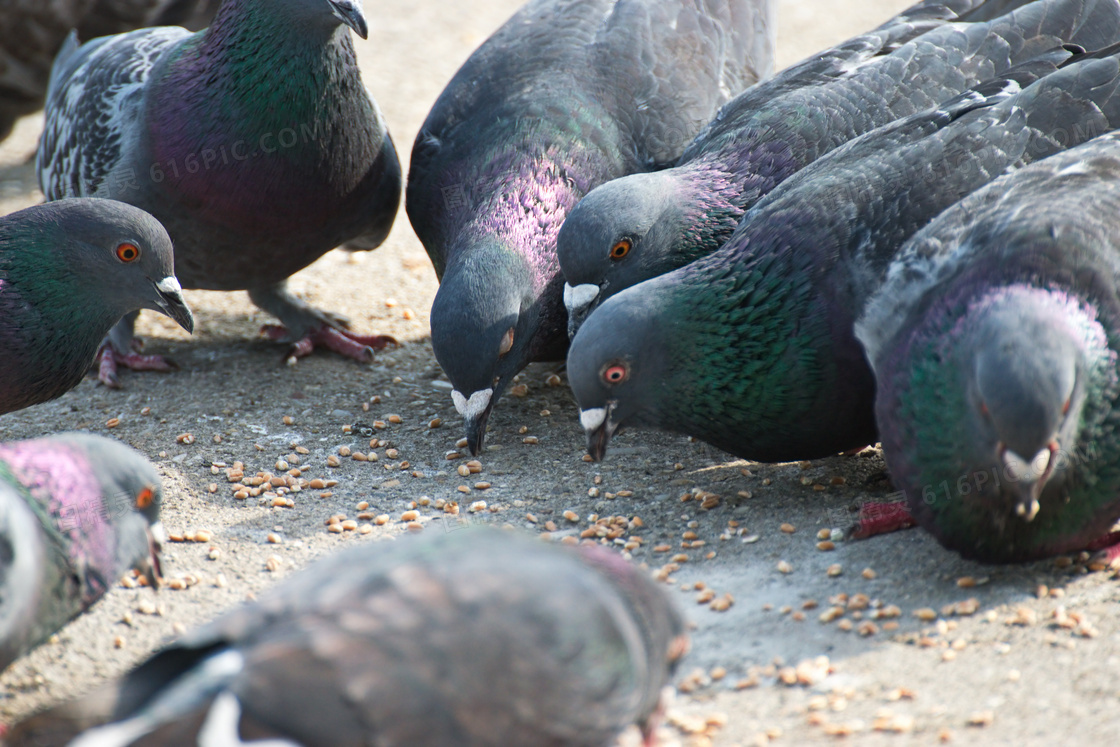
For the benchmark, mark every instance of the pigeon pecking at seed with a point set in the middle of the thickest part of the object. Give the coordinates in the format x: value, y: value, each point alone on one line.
x: 995, y: 343
x: 69, y: 271
x: 643, y: 225
x: 752, y: 348
x: 475, y: 638
x: 77, y: 512
x: 253, y: 142
x: 32, y: 32
x: 566, y: 95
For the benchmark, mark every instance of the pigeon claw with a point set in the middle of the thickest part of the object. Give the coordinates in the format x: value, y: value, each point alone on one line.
x: 108, y: 361
x: 880, y: 518
x: 1105, y: 552
x: 359, y: 347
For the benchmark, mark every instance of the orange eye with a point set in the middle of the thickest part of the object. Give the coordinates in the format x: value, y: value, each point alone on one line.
x: 621, y: 248
x: 145, y: 498
x: 127, y: 252
x: 616, y: 374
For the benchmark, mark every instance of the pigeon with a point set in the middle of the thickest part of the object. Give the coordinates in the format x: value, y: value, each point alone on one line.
x: 69, y: 271
x: 77, y: 512
x: 994, y: 342
x: 752, y: 348
x: 253, y: 141
x: 566, y: 95
x: 32, y: 32
x: 479, y: 637
x: 643, y: 225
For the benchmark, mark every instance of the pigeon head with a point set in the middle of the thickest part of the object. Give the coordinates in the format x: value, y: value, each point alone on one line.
x: 1024, y: 376
x: 327, y: 15
x: 116, y: 250
x: 482, y: 331
x: 132, y: 497
x: 989, y: 416
x: 350, y: 13
x: 615, y: 368
x: 619, y: 234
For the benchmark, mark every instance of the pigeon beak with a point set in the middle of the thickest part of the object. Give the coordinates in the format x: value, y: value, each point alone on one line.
x: 580, y: 300
x: 648, y: 725
x: 596, y: 421
x: 350, y: 13
x: 172, y: 304
x: 150, y: 567
x: 475, y: 411
x: 1029, y: 480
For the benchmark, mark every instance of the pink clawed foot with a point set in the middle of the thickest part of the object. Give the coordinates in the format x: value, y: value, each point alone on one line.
x: 359, y: 347
x: 109, y: 359
x: 1106, y: 550
x: 881, y: 518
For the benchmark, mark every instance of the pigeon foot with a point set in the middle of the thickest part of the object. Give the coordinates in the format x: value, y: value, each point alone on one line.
x: 1105, y: 552
x: 359, y: 347
x: 881, y: 518
x: 109, y: 359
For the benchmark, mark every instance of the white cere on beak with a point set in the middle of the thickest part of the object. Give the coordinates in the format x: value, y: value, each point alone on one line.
x: 579, y: 297
x: 159, y: 534
x: 592, y: 418
x: 170, y: 285
x: 1024, y: 470
x: 474, y: 406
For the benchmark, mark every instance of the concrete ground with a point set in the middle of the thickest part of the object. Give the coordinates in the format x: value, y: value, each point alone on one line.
x: 1022, y: 655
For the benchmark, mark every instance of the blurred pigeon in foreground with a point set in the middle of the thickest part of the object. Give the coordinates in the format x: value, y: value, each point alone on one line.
x: 477, y: 637
x: 643, y: 225
x: 253, y: 142
x: 77, y: 511
x: 566, y: 95
x: 69, y: 271
x: 32, y: 32
x: 995, y: 343
x: 752, y: 348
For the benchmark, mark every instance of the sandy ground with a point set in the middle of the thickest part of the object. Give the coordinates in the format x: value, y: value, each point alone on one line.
x: 1006, y: 674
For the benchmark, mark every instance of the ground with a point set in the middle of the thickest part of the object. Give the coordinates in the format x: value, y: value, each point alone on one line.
x: 1034, y: 663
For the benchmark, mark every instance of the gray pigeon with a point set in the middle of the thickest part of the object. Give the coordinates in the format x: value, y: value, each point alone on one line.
x: 69, y: 271
x: 32, y: 32
x: 566, y: 95
x: 254, y: 142
x: 478, y: 637
x: 752, y: 348
x: 995, y: 343
x: 643, y: 225
x: 76, y: 512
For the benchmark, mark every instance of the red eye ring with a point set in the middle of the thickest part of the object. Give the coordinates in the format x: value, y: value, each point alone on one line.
x: 621, y: 248
x: 616, y: 373
x: 145, y: 498
x: 128, y: 252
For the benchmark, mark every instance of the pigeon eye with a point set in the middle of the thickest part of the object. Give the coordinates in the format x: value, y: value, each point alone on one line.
x: 621, y: 248
x: 616, y: 374
x: 145, y: 498
x: 127, y: 252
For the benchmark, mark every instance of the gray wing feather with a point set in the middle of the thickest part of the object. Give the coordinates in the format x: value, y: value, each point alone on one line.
x: 94, y: 107
x: 939, y: 250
